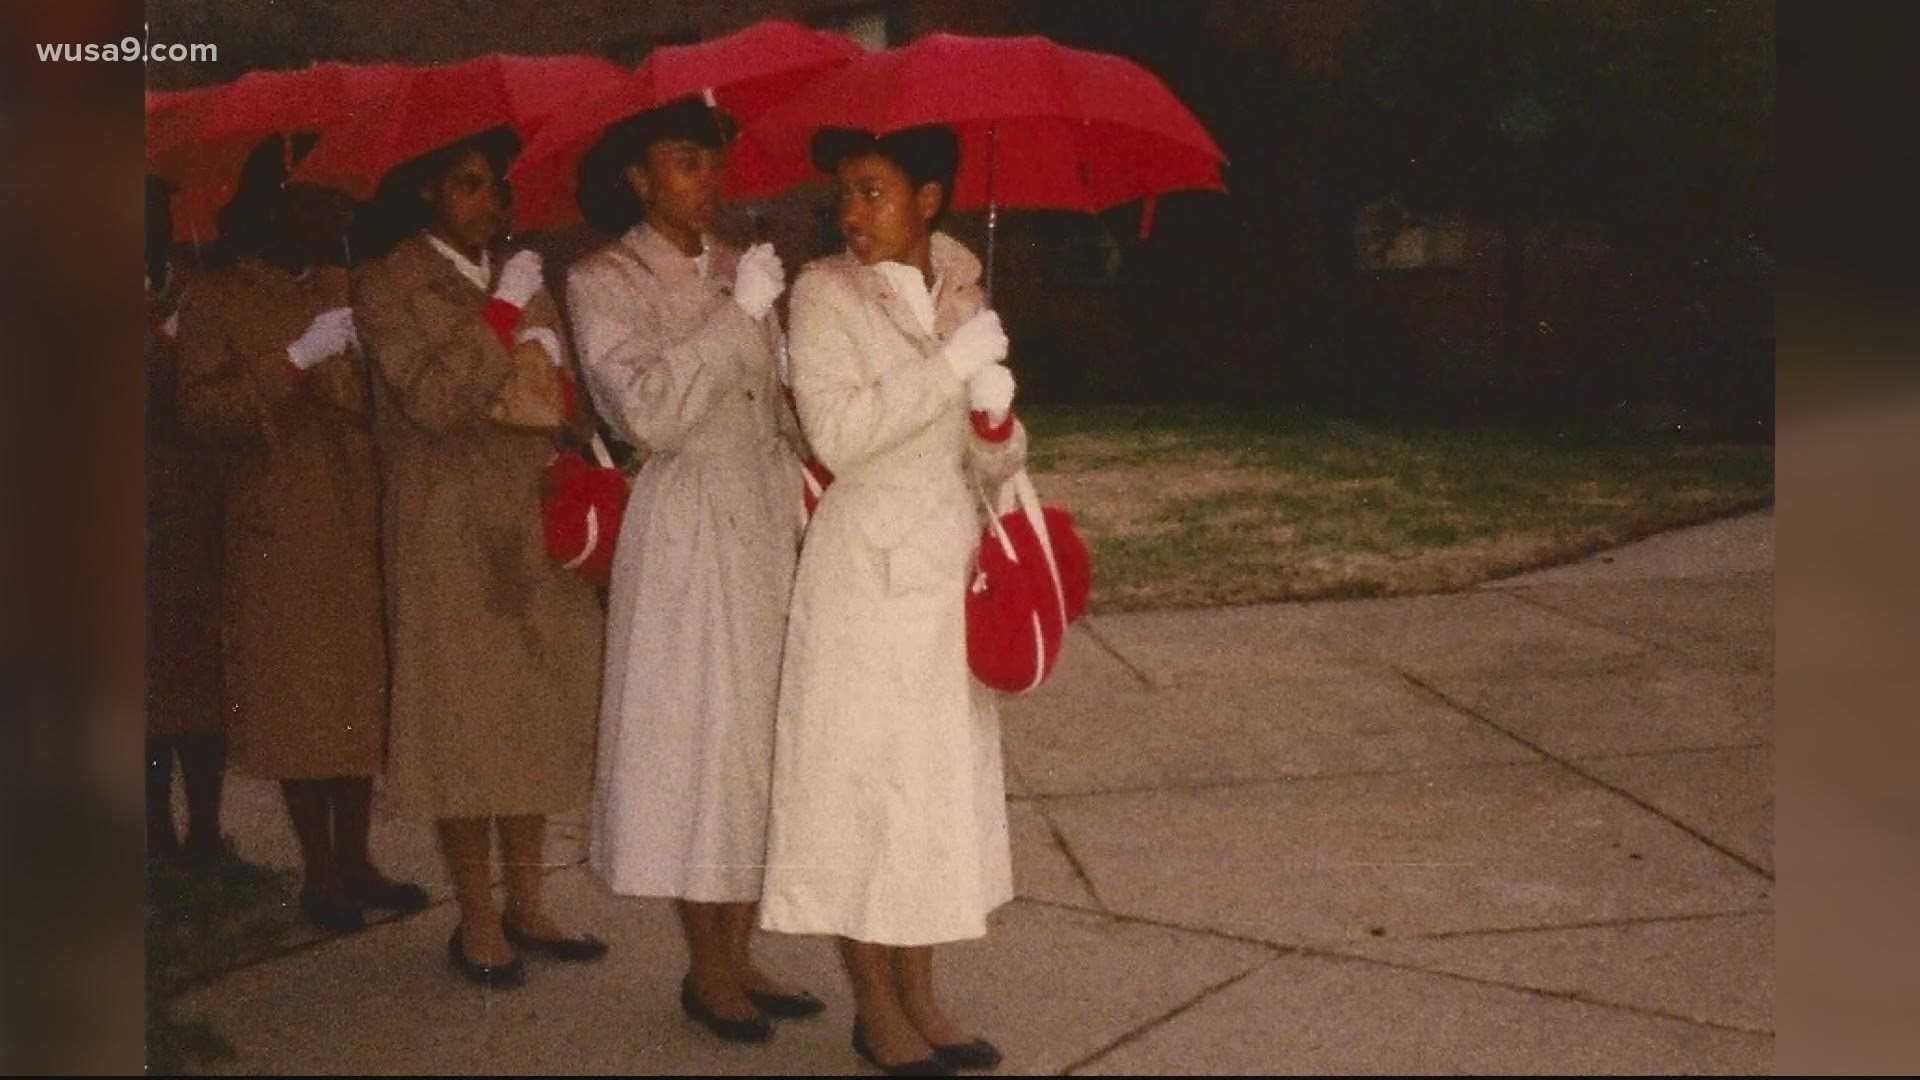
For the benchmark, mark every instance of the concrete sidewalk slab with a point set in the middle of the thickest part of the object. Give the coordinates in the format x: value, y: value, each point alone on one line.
x: 1319, y: 1015
x: 1220, y: 731
x: 1737, y: 545
x: 1715, y: 970
x: 1636, y: 704
x: 1725, y: 795
x: 1324, y: 861
x: 1724, y: 621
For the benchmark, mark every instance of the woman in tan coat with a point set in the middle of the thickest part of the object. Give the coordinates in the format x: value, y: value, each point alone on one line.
x: 495, y: 647
x: 677, y: 343
x: 269, y: 370
x: 889, y: 817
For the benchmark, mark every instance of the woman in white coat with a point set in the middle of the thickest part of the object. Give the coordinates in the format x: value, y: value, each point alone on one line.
x: 677, y: 344
x: 889, y: 825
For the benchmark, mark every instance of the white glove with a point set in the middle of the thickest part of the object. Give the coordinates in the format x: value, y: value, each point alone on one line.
x: 519, y: 279
x: 759, y: 280
x: 974, y: 344
x: 991, y: 391
x: 331, y: 332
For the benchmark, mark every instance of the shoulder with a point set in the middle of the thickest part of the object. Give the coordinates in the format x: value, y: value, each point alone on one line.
x: 401, y: 268
x: 829, y: 279
x: 602, y: 261
x: 953, y: 260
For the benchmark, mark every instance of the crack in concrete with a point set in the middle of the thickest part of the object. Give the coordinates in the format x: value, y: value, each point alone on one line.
x: 1571, y: 765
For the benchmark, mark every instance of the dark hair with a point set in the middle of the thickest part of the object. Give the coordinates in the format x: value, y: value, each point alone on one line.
x: 397, y: 210
x: 606, y: 199
x: 250, y: 221
x: 929, y: 154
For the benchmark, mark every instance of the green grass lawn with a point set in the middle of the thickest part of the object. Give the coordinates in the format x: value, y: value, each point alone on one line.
x: 1199, y: 506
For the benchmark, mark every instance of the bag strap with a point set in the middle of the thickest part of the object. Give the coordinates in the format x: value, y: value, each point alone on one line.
x: 993, y: 522
x: 1029, y: 500
x: 600, y: 453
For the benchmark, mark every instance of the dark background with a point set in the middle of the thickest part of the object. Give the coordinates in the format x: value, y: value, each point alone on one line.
x: 1594, y: 183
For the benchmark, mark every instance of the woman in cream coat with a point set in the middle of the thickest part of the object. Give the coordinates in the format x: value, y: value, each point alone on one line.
x: 677, y: 341
x: 889, y: 824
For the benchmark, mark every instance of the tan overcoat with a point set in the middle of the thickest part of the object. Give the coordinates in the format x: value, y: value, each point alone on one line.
x: 494, y: 647
x: 305, y: 659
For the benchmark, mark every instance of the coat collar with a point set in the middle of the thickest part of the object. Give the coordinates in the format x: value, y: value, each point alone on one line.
x: 959, y: 299
x: 665, y: 261
x: 434, y: 270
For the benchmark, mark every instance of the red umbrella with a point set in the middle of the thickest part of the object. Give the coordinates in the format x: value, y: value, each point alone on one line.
x: 199, y: 144
x: 744, y: 73
x: 431, y: 107
x: 1041, y: 125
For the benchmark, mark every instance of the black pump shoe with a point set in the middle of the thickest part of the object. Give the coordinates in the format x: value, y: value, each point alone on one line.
x: 498, y: 976
x: 332, y: 913
x: 756, y: 1030
x: 787, y: 1006
x: 576, y: 950
x: 975, y: 1054
x: 926, y: 1066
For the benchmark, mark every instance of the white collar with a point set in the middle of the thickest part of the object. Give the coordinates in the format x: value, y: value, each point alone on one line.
x: 912, y: 286
x: 480, y: 273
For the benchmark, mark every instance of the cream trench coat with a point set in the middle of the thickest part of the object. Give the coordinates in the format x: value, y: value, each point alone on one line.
x: 697, y: 612
x: 889, y: 820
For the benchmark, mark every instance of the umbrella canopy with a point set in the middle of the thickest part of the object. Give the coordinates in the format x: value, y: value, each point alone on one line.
x: 745, y: 72
x: 199, y: 142
x: 435, y: 106
x: 1041, y: 125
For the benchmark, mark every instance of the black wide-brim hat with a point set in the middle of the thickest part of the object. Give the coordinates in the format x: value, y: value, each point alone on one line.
x: 498, y: 145
x: 601, y: 183
x: 931, y: 150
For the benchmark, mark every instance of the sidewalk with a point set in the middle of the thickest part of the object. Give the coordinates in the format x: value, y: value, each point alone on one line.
x: 1524, y: 828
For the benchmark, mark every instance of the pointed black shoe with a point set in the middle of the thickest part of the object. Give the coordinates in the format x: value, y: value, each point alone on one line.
x: 331, y: 913
x: 976, y: 1054
x: 756, y: 1030
x: 401, y: 896
x: 506, y: 976
x: 926, y: 1066
x: 576, y: 950
x: 787, y: 1006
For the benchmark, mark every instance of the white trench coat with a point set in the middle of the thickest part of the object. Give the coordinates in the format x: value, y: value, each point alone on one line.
x: 698, y: 604
x: 889, y: 819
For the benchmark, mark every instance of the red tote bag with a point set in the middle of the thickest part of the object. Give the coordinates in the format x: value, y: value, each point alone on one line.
x: 1032, y: 581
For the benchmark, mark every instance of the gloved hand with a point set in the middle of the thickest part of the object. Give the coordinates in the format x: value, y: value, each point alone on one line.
x: 974, y: 344
x: 519, y: 279
x: 759, y: 281
x: 991, y: 391
x: 330, y: 332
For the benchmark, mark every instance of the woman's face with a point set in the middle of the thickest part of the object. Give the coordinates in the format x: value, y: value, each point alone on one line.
x: 679, y: 183
x: 467, y: 209
x: 882, y: 216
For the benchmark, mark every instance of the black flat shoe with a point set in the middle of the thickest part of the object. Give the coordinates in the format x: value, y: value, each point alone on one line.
x: 331, y: 913
x: 499, y: 976
x: 977, y: 1054
x: 787, y: 1006
x: 926, y: 1066
x: 575, y: 950
x: 756, y: 1030
x: 401, y: 896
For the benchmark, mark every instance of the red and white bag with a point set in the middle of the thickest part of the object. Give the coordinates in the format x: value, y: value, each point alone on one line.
x: 582, y: 508
x: 1032, y: 581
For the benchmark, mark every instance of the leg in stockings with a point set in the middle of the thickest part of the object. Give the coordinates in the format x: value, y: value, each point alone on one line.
x: 467, y: 844
x: 913, y: 980
x: 352, y: 798
x: 890, y: 1035
x: 710, y: 962
x: 523, y: 844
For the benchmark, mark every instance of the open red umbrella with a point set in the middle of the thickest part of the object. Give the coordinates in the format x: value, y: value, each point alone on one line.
x: 199, y: 144
x: 1041, y: 125
x: 744, y: 72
